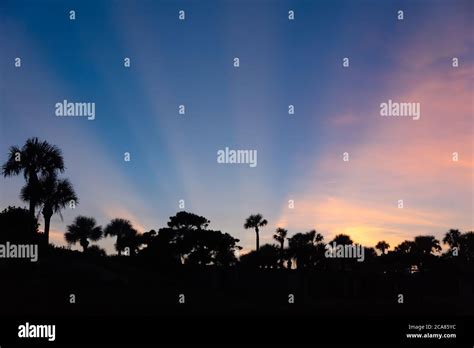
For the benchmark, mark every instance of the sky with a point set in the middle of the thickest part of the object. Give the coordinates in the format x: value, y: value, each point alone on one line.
x: 282, y: 62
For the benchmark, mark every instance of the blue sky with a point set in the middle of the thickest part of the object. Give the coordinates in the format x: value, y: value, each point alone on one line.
x: 283, y: 62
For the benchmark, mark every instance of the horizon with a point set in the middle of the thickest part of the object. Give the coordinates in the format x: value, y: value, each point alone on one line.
x: 174, y: 157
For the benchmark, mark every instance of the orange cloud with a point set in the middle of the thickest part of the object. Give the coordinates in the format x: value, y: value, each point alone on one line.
x: 57, y: 237
x: 366, y: 222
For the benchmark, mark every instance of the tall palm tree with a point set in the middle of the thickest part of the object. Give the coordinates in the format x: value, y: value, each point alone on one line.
x: 53, y: 196
x: 280, y: 236
x: 82, y: 230
x: 123, y: 230
x: 382, y: 246
x: 255, y: 221
x: 34, y: 159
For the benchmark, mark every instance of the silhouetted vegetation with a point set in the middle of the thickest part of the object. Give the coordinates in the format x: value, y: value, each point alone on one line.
x: 36, y: 160
x: 83, y: 229
x: 16, y: 226
x: 280, y: 236
x: 53, y: 195
x: 127, y: 236
x: 161, y: 258
x: 382, y: 246
x: 187, y: 240
x: 256, y: 222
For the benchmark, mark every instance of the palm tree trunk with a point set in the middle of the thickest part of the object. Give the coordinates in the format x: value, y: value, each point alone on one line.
x: 47, y: 222
x: 47, y: 214
x: 258, y: 239
x: 84, y: 245
x: 33, y: 182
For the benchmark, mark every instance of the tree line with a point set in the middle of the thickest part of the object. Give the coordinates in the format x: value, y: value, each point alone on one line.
x: 187, y: 238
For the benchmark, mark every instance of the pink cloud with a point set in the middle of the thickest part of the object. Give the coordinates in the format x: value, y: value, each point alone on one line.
x: 346, y: 119
x: 398, y: 158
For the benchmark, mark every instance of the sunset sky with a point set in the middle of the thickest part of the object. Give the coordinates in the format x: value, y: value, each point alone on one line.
x: 282, y: 62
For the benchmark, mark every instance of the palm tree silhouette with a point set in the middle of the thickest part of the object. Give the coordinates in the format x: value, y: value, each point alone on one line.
x: 53, y: 196
x: 35, y: 159
x: 82, y: 229
x: 279, y: 236
x: 382, y: 246
x: 122, y: 229
x: 255, y: 221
